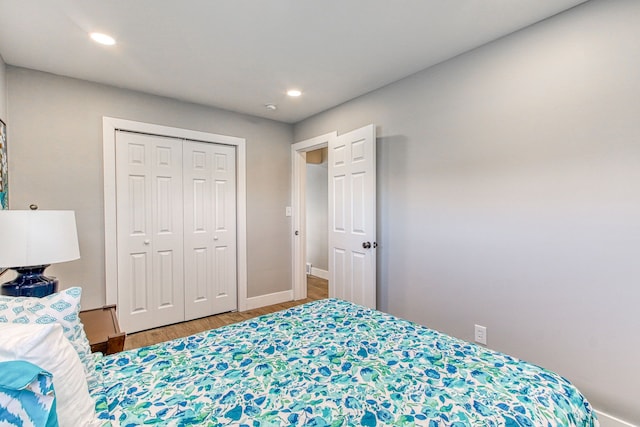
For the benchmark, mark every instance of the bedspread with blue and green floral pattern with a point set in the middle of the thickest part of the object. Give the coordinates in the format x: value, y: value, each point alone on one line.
x: 331, y: 363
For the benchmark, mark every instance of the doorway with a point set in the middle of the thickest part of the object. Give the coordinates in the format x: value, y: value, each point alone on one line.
x: 351, y: 218
x: 299, y: 186
x: 317, y: 208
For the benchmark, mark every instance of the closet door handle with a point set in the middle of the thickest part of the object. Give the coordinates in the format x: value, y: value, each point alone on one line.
x: 146, y: 242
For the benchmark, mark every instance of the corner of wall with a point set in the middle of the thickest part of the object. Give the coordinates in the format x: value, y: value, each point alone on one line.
x: 3, y: 90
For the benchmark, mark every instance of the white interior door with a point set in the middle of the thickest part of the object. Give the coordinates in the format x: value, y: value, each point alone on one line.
x: 209, y: 229
x: 352, y: 216
x: 149, y: 230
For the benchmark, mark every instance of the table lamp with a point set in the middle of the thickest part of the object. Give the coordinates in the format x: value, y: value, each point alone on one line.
x: 32, y: 240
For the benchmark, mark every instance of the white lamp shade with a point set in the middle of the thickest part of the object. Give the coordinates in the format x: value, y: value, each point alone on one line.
x: 29, y: 238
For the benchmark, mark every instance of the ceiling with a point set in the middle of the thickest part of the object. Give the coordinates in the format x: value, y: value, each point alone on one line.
x: 242, y: 54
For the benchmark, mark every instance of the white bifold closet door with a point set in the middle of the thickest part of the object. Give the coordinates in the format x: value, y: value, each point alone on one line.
x: 175, y: 230
x: 209, y: 229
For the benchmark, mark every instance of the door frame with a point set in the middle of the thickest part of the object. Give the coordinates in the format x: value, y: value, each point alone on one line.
x: 109, y: 127
x: 299, y: 215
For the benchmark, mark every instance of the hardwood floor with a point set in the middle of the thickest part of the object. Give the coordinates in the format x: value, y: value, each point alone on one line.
x: 316, y: 289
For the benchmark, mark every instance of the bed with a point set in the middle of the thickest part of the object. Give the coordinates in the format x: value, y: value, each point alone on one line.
x: 330, y: 363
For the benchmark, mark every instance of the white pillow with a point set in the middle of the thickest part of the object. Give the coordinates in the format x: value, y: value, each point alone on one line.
x: 61, y: 307
x: 46, y: 347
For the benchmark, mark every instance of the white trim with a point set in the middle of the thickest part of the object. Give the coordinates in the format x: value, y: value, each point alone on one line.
x: 269, y: 299
x: 241, y: 224
x: 607, y: 420
x: 323, y: 274
x: 298, y: 247
x: 315, y: 143
x: 109, y: 127
x: 298, y: 221
x: 110, y: 241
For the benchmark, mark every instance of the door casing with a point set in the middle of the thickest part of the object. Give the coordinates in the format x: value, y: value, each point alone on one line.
x: 299, y: 152
x: 109, y: 127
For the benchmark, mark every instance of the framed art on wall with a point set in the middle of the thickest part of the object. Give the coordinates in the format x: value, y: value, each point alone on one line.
x: 4, y: 172
x: 4, y: 168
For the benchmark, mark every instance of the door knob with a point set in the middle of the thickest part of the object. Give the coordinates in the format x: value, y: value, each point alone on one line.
x: 146, y: 242
x: 215, y: 237
x: 366, y: 245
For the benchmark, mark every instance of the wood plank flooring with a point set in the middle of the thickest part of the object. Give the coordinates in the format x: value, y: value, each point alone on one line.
x: 316, y: 289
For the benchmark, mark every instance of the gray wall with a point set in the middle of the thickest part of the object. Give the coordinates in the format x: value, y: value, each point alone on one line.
x: 509, y: 196
x: 56, y: 162
x: 317, y: 208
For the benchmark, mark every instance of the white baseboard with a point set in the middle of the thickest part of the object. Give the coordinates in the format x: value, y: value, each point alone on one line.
x: 323, y: 274
x: 607, y: 420
x: 269, y: 299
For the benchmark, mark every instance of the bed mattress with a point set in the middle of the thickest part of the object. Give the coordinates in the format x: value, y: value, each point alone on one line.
x: 331, y: 363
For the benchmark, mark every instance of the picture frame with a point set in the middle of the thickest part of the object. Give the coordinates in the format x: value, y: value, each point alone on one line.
x: 4, y: 173
x: 4, y: 168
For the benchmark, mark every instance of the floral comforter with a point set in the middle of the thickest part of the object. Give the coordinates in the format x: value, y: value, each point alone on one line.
x: 331, y: 363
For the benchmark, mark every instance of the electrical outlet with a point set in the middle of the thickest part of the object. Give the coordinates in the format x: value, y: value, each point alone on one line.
x: 481, y: 334
x: 287, y: 211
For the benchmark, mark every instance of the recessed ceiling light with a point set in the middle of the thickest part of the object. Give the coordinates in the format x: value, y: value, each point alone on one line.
x: 294, y: 92
x: 102, y: 39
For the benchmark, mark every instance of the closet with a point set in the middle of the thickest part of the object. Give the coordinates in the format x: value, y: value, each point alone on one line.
x: 176, y: 229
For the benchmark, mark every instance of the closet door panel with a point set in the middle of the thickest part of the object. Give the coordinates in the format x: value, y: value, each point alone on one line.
x: 198, y: 226
x: 224, y: 237
x: 209, y: 212
x: 149, y: 232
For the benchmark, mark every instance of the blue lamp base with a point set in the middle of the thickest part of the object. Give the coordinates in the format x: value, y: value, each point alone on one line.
x: 31, y: 282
